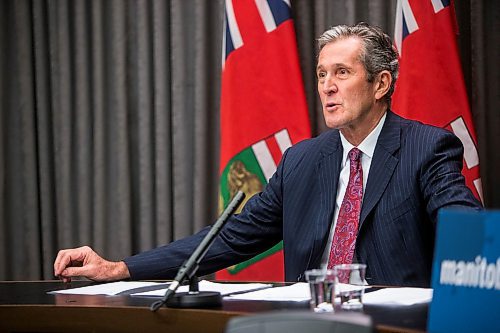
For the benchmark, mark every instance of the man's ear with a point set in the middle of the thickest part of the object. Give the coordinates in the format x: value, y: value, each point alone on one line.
x: 383, y: 84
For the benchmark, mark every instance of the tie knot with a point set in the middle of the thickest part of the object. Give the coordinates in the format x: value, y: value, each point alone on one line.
x: 354, y: 154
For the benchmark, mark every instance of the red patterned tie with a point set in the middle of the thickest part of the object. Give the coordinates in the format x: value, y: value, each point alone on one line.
x: 344, y: 238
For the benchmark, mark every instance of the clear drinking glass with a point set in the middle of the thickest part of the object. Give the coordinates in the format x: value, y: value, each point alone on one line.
x: 322, y: 285
x: 350, y: 285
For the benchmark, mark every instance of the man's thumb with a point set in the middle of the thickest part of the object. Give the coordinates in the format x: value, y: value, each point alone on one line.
x: 75, y: 271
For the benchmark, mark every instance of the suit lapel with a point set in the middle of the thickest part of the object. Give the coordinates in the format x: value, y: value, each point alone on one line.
x: 328, y: 170
x: 383, y: 164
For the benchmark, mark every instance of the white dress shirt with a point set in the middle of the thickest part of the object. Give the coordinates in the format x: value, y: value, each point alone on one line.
x: 367, y: 147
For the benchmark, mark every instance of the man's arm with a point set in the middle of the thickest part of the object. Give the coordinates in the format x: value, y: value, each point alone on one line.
x: 83, y: 261
x: 442, y: 182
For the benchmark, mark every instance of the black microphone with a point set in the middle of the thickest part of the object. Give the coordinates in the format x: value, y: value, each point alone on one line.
x: 189, y: 268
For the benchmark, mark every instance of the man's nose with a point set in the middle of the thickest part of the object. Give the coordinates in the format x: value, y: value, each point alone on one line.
x: 329, y: 86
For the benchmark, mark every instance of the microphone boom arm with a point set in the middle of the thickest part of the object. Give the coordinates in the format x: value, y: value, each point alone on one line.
x: 190, y: 267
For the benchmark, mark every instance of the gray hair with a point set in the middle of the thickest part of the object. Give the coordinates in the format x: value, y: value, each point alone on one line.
x: 378, y: 53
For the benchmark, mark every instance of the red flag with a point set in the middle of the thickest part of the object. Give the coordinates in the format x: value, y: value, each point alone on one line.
x: 430, y: 87
x: 263, y: 110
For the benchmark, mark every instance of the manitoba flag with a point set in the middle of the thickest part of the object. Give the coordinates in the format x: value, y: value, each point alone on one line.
x: 430, y: 86
x: 263, y: 110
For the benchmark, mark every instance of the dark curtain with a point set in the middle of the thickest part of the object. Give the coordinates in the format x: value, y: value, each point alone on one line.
x: 109, y: 117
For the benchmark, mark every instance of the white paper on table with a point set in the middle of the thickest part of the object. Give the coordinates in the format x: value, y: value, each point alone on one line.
x: 110, y: 289
x: 398, y: 296
x: 256, y: 291
x: 223, y: 288
x: 296, y: 292
x: 345, y: 287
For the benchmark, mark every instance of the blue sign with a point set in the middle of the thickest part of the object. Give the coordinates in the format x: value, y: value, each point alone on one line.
x: 466, y: 273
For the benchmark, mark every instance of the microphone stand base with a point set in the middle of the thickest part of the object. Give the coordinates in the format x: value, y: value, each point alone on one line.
x: 195, y: 299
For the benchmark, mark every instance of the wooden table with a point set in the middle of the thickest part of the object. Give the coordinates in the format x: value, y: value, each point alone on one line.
x: 26, y: 307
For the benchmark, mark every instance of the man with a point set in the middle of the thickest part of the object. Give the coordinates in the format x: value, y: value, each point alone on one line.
x: 367, y: 191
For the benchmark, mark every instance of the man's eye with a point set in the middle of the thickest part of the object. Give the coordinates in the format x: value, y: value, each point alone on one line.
x: 342, y: 72
x: 321, y: 75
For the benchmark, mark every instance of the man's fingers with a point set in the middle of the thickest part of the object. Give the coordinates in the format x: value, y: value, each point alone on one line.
x: 69, y: 257
x: 62, y: 260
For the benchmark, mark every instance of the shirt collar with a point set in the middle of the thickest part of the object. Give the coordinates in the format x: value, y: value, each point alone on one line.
x: 367, y: 146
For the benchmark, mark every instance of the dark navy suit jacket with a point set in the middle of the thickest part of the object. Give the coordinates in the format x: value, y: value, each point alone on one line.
x: 415, y: 171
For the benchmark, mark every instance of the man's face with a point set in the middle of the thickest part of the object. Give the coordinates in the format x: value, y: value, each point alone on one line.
x: 345, y: 93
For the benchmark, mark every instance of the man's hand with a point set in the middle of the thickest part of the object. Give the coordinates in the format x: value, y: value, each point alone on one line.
x: 83, y: 261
